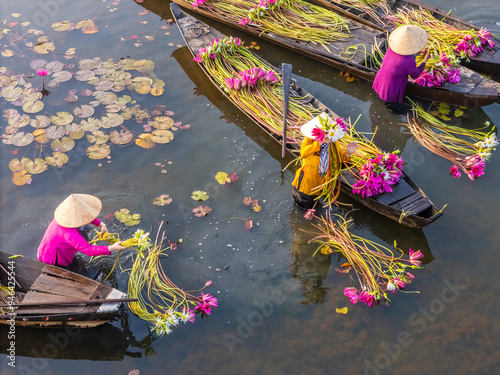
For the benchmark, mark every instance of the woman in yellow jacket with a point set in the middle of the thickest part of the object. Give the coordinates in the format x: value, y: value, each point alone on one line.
x: 307, y: 182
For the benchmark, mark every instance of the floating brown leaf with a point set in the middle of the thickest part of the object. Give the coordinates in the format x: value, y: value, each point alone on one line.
x: 63, y: 144
x: 58, y: 159
x: 22, y: 139
x: 34, y: 167
x: 98, y: 151
x: 121, y: 138
x: 145, y: 141
x: 162, y: 136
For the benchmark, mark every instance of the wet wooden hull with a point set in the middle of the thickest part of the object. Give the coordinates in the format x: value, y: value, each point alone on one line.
x: 474, y: 90
x: 487, y: 61
x: 406, y: 196
x: 42, y: 284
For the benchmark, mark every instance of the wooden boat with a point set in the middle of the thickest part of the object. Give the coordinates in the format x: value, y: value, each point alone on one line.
x: 487, y: 61
x: 52, y: 297
x: 473, y: 90
x: 407, y: 204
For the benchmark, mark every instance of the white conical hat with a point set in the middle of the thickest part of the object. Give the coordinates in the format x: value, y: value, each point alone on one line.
x: 77, y: 210
x: 408, y: 39
x: 308, y: 127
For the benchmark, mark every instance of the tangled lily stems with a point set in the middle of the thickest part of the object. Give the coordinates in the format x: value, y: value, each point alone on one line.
x: 378, y: 270
x: 160, y: 301
x: 467, y: 149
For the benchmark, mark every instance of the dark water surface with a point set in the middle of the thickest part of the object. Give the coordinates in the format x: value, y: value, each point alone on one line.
x: 277, y: 304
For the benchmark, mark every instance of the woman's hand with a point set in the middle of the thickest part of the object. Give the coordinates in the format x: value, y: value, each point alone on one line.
x: 103, y: 227
x: 351, y: 148
x: 116, y: 246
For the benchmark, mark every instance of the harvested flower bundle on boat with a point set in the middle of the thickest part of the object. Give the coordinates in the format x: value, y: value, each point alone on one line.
x: 289, y: 18
x: 447, y: 44
x: 379, y: 271
x: 467, y: 149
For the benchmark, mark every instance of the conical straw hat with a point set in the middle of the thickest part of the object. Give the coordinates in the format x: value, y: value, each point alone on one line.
x: 77, y: 210
x: 308, y: 127
x: 408, y: 39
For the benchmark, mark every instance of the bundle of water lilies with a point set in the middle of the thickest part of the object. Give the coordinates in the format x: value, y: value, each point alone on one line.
x: 467, y: 149
x: 289, y: 18
x: 160, y: 301
x: 377, y: 171
x: 447, y: 44
x: 374, y: 8
x: 378, y: 269
x: 253, y: 86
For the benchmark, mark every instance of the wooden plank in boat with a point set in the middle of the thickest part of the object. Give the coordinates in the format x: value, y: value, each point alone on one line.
x: 63, y: 287
x: 56, y: 271
x: 414, y: 204
x: 39, y: 297
x: 101, y: 292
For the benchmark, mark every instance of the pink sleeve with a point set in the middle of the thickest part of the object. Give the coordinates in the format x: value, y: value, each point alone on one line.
x: 414, y: 70
x: 96, y: 222
x: 75, y: 240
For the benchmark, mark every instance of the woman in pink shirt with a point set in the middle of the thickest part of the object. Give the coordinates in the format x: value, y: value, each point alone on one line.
x: 63, y: 238
x: 399, y: 63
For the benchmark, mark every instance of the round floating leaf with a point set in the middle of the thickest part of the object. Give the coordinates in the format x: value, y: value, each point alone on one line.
x: 162, y: 200
x: 97, y: 137
x: 104, y: 85
x: 44, y: 48
x: 145, y: 141
x: 9, y: 130
x: 21, y: 178
x: 21, y: 139
x: 84, y: 75
x: 199, y: 195
x: 54, y: 66
x: 222, y: 178
x: 98, y: 151
x: 54, y: 132
x: 38, y: 64
x: 34, y: 167
x: 19, y: 121
x: 15, y: 165
x: 63, y: 144
x: 105, y: 97
x: 91, y: 124
x: 62, y: 118
x: 201, y: 211
x: 40, y: 121
x: 163, y: 122
x: 112, y: 120
x: 33, y: 107
x: 121, y: 138
x: 40, y: 136
x: 10, y: 93
x: 156, y: 91
x: 71, y: 98
x: 63, y: 26
x: 162, y: 136
x: 114, y: 108
x: 124, y: 216
x: 61, y: 76
x: 75, y: 131
x: 247, y: 200
x: 144, y: 65
x: 10, y: 113
x: 58, y: 159
x: 84, y: 111
x: 88, y: 64
x: 87, y: 26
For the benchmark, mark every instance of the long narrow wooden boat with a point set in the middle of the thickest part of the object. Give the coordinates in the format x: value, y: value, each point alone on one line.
x: 407, y: 203
x: 473, y: 90
x: 487, y: 61
x: 52, y: 297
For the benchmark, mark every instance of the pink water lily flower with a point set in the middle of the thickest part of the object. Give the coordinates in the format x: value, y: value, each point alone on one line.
x: 352, y: 294
x: 455, y: 172
x: 415, y: 256
x: 42, y: 72
x: 310, y: 214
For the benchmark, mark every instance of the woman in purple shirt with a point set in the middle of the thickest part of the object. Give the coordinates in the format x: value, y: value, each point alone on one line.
x: 399, y: 63
x: 63, y: 237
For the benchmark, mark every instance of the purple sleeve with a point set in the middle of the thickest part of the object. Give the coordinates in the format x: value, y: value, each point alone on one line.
x: 75, y: 240
x: 96, y: 222
x: 414, y: 71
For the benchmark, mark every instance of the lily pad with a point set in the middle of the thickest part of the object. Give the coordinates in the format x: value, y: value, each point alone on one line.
x: 58, y: 159
x: 162, y: 136
x: 54, y: 66
x: 199, y: 195
x: 40, y: 121
x: 44, y: 48
x: 145, y: 141
x: 15, y: 165
x: 38, y: 64
x: 62, y: 118
x: 125, y: 217
x: 88, y: 64
x: 121, y: 138
x: 19, y: 121
x: 21, y: 139
x: 62, y: 76
x: 34, y: 167
x: 40, y: 136
x: 84, y: 75
x: 21, y: 178
x: 63, y: 144
x: 84, y: 111
x: 63, y: 26
x: 55, y: 132
x: 91, y: 124
x: 162, y: 200
x: 163, y: 122
x: 97, y: 137
x: 98, y: 151
x: 201, y: 211
x: 111, y: 120
x: 75, y: 131
x: 10, y: 113
x: 222, y: 178
x: 87, y: 26
x: 33, y: 107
